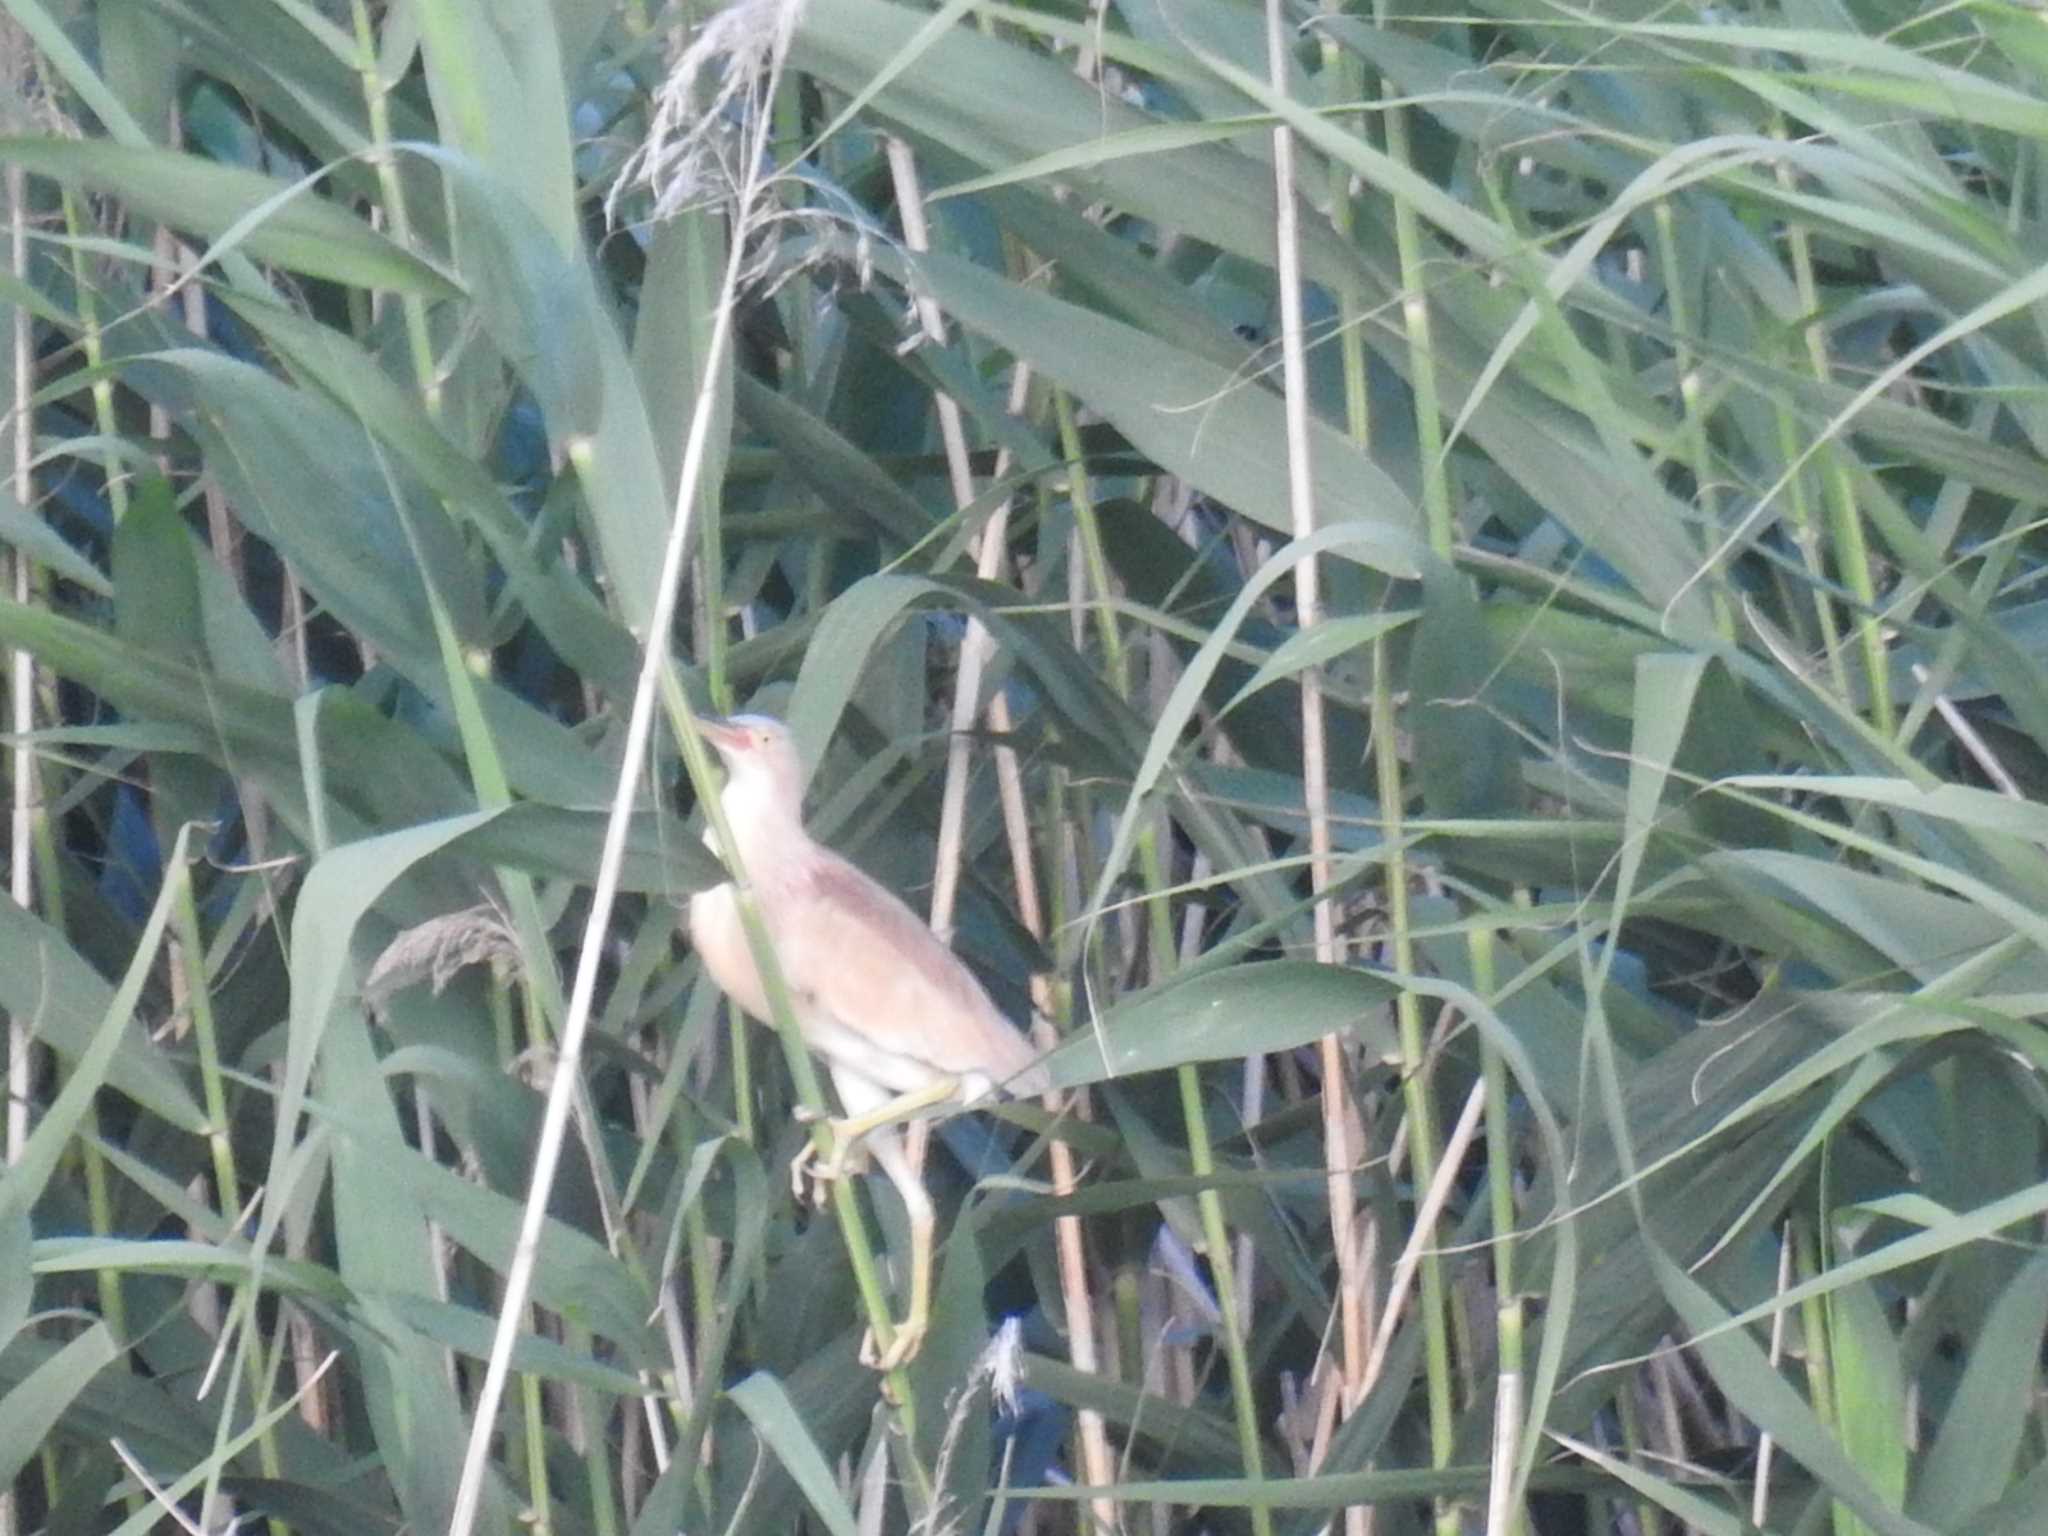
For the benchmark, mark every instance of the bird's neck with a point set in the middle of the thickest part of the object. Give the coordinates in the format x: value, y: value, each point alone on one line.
x: 766, y: 828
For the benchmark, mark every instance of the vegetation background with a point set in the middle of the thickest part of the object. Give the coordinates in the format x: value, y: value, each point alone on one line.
x: 1452, y: 592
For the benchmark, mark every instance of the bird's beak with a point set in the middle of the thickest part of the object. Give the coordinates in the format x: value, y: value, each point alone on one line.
x: 722, y: 734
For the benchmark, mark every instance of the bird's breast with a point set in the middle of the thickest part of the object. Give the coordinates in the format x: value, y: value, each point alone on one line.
x: 720, y: 939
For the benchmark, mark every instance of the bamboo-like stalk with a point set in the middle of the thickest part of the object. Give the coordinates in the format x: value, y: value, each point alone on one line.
x: 1419, y: 1249
x: 1503, y: 1513
x: 1766, y: 1443
x: 21, y: 666
x: 975, y: 644
x: 21, y: 682
x: 1340, y: 1157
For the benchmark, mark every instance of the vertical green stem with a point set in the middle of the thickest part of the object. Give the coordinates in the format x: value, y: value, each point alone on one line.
x: 1408, y: 248
x: 191, y: 949
x: 533, y: 1414
x: 1417, y: 1097
x: 1202, y: 1161
x: 419, y: 338
x: 1419, y: 1102
x: 99, y: 1205
x: 1845, y: 522
x: 1807, y: 1262
x: 1340, y: 1156
x: 1151, y: 866
x: 1685, y: 364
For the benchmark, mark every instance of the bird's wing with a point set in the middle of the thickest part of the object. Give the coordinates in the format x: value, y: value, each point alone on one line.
x: 851, y: 944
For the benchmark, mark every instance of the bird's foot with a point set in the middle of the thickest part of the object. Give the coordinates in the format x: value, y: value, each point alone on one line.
x: 811, y: 1178
x: 906, y: 1339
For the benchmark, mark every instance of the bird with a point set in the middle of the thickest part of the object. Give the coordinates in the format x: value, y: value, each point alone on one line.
x: 904, y: 1027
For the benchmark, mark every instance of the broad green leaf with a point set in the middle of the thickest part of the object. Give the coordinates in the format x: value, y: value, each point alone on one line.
x: 40, y: 542
x: 495, y: 73
x: 1242, y: 1011
x: 32, y: 1408
x: 775, y: 1419
x: 540, y: 304
x: 1764, y: 1397
x: 560, y: 604
x: 1870, y: 1391
x: 285, y: 223
x: 1976, y: 1448
x: 1218, y: 431
x: 22, y: 1182
x: 1317, y: 646
x: 44, y: 981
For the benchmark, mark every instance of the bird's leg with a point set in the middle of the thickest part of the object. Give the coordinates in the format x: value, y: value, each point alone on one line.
x: 846, y: 1135
x: 906, y: 1337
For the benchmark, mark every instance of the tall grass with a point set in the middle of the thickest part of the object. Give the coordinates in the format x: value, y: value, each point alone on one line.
x: 1449, y: 595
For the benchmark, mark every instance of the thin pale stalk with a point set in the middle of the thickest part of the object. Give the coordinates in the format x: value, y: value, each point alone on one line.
x: 21, y: 665
x: 1766, y: 1445
x: 21, y: 685
x: 1098, y: 1462
x: 1503, y: 1516
x: 975, y: 647
x: 1419, y: 1250
x: 1339, y: 1156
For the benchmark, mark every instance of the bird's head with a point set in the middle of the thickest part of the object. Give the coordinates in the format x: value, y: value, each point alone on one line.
x: 764, y: 773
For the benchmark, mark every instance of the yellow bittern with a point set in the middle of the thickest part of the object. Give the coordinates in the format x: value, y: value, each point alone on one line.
x: 904, y: 1026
